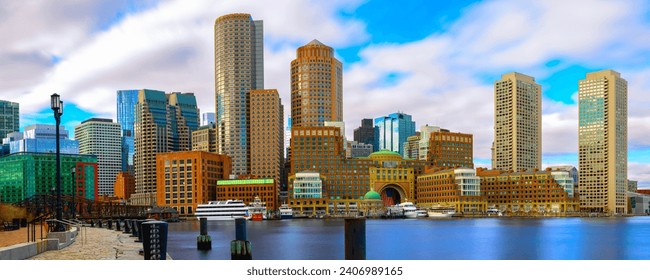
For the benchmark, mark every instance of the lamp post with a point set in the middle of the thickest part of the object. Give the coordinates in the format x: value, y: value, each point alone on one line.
x: 57, y: 107
x: 74, y: 191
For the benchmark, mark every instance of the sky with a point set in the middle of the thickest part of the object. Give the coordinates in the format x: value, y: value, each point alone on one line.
x: 434, y: 60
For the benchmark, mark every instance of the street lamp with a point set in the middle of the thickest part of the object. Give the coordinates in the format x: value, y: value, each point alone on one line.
x: 74, y: 190
x: 57, y: 107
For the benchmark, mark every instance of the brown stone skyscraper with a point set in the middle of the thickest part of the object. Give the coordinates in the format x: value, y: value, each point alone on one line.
x: 267, y: 134
x: 316, y: 86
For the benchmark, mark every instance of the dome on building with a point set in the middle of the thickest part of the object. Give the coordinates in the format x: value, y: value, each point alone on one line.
x: 385, y: 153
x: 372, y: 195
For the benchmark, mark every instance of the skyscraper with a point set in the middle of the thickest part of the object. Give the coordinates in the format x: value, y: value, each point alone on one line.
x: 207, y: 118
x: 517, y: 123
x: 602, y: 142
x: 101, y: 137
x: 41, y: 138
x: 126, y: 101
x: 365, y: 133
x: 163, y: 123
x: 9, y: 118
x: 267, y: 145
x: 239, y: 68
x: 316, y: 86
x: 392, y: 131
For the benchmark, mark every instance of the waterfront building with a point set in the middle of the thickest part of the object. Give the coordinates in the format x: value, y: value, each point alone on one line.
x: 638, y: 204
x: 602, y: 141
x: 124, y: 185
x: 423, y: 145
x: 392, y: 131
x: 163, y: 123
x: 207, y: 118
x: 565, y: 180
x: 517, y: 123
x: 247, y: 189
x: 365, y: 133
x: 26, y: 174
x: 372, y: 206
x: 456, y: 187
x: 267, y: 145
x: 308, y: 197
x: 188, y: 178
x: 9, y: 117
x: 356, y: 150
x: 632, y: 186
x: 450, y: 149
x: 102, y: 137
x: 412, y: 146
x: 526, y: 193
x: 239, y: 68
x: 204, y: 138
x: 316, y: 86
x: 41, y: 138
x: 394, y: 177
x: 126, y: 101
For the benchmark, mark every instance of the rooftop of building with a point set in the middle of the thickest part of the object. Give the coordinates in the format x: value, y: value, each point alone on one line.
x: 244, y: 182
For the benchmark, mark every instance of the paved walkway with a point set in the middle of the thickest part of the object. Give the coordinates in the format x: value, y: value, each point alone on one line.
x: 97, y: 244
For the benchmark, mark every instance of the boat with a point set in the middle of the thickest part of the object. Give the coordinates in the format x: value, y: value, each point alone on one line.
x: 257, y: 209
x: 421, y: 213
x: 494, y: 212
x: 409, y: 210
x: 222, y: 210
x: 441, y: 211
x: 286, y: 212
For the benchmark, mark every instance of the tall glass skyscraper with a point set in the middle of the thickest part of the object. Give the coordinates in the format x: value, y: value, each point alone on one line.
x: 391, y: 132
x: 41, y: 138
x: 602, y: 142
x: 239, y: 68
x: 126, y: 101
x: 9, y: 118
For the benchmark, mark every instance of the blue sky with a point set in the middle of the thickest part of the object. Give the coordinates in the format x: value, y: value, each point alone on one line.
x: 435, y: 60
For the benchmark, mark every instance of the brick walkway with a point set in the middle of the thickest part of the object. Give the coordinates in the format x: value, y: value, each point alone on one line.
x: 97, y: 244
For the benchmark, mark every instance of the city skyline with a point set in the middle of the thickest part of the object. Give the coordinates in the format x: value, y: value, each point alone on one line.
x: 441, y: 61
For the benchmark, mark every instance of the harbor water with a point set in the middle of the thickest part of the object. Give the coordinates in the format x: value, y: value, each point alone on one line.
x: 503, y: 238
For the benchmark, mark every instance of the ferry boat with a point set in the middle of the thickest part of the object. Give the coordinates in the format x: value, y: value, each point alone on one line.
x: 257, y: 209
x: 222, y: 210
x: 286, y: 212
x: 494, y: 212
x: 441, y: 212
x: 421, y: 213
x: 409, y: 210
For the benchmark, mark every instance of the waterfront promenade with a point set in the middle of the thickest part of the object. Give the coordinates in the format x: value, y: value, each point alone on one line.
x: 91, y: 244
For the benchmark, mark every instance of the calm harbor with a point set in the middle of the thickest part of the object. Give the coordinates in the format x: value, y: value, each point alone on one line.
x: 621, y: 238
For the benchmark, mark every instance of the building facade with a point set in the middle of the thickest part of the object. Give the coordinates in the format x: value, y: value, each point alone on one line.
x: 41, y: 138
x: 602, y: 141
x: 459, y: 187
x: 517, y: 123
x: 308, y: 197
x: 365, y: 133
x: 316, y: 86
x: 412, y: 146
x: 186, y: 179
x: 357, y: 150
x: 204, y: 139
x: 450, y: 149
x: 102, y: 137
x: 9, y: 117
x: 126, y: 101
x: 208, y: 118
x: 247, y: 189
x: 267, y: 134
x: 163, y: 123
x: 392, y: 131
x: 425, y: 135
x: 124, y: 185
x: 26, y: 174
x: 239, y: 68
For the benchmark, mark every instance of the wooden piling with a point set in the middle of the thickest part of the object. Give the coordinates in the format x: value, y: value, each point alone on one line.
x: 204, y: 241
x: 355, y: 239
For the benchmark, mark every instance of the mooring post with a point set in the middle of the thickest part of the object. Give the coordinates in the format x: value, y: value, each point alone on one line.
x: 204, y: 241
x: 240, y: 248
x: 355, y: 239
x: 118, y: 225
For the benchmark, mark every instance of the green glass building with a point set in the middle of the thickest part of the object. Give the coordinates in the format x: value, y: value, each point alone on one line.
x: 26, y: 174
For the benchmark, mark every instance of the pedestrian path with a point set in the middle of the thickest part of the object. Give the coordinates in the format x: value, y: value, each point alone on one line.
x: 97, y: 244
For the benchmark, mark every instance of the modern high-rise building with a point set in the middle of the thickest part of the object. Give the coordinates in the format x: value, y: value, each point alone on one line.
x: 267, y: 137
x: 102, y: 137
x: 126, y: 101
x: 602, y: 142
x: 163, y: 123
x: 205, y: 139
x: 239, y: 68
x: 450, y: 149
x: 41, y: 138
x: 9, y: 117
x: 425, y: 134
x: 207, y: 118
x: 412, y: 146
x: 365, y: 133
x: 316, y: 86
x: 392, y: 131
x: 517, y: 123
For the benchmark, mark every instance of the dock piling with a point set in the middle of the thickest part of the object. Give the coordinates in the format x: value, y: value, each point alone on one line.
x: 240, y: 248
x: 355, y: 239
x: 204, y: 241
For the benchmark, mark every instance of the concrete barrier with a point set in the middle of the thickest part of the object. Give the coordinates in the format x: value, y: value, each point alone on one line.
x: 26, y: 250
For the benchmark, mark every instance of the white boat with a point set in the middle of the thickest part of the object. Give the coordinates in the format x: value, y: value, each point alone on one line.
x: 494, y: 212
x: 222, y: 210
x: 257, y: 209
x: 286, y: 212
x: 409, y: 210
x: 421, y: 213
x: 441, y: 211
